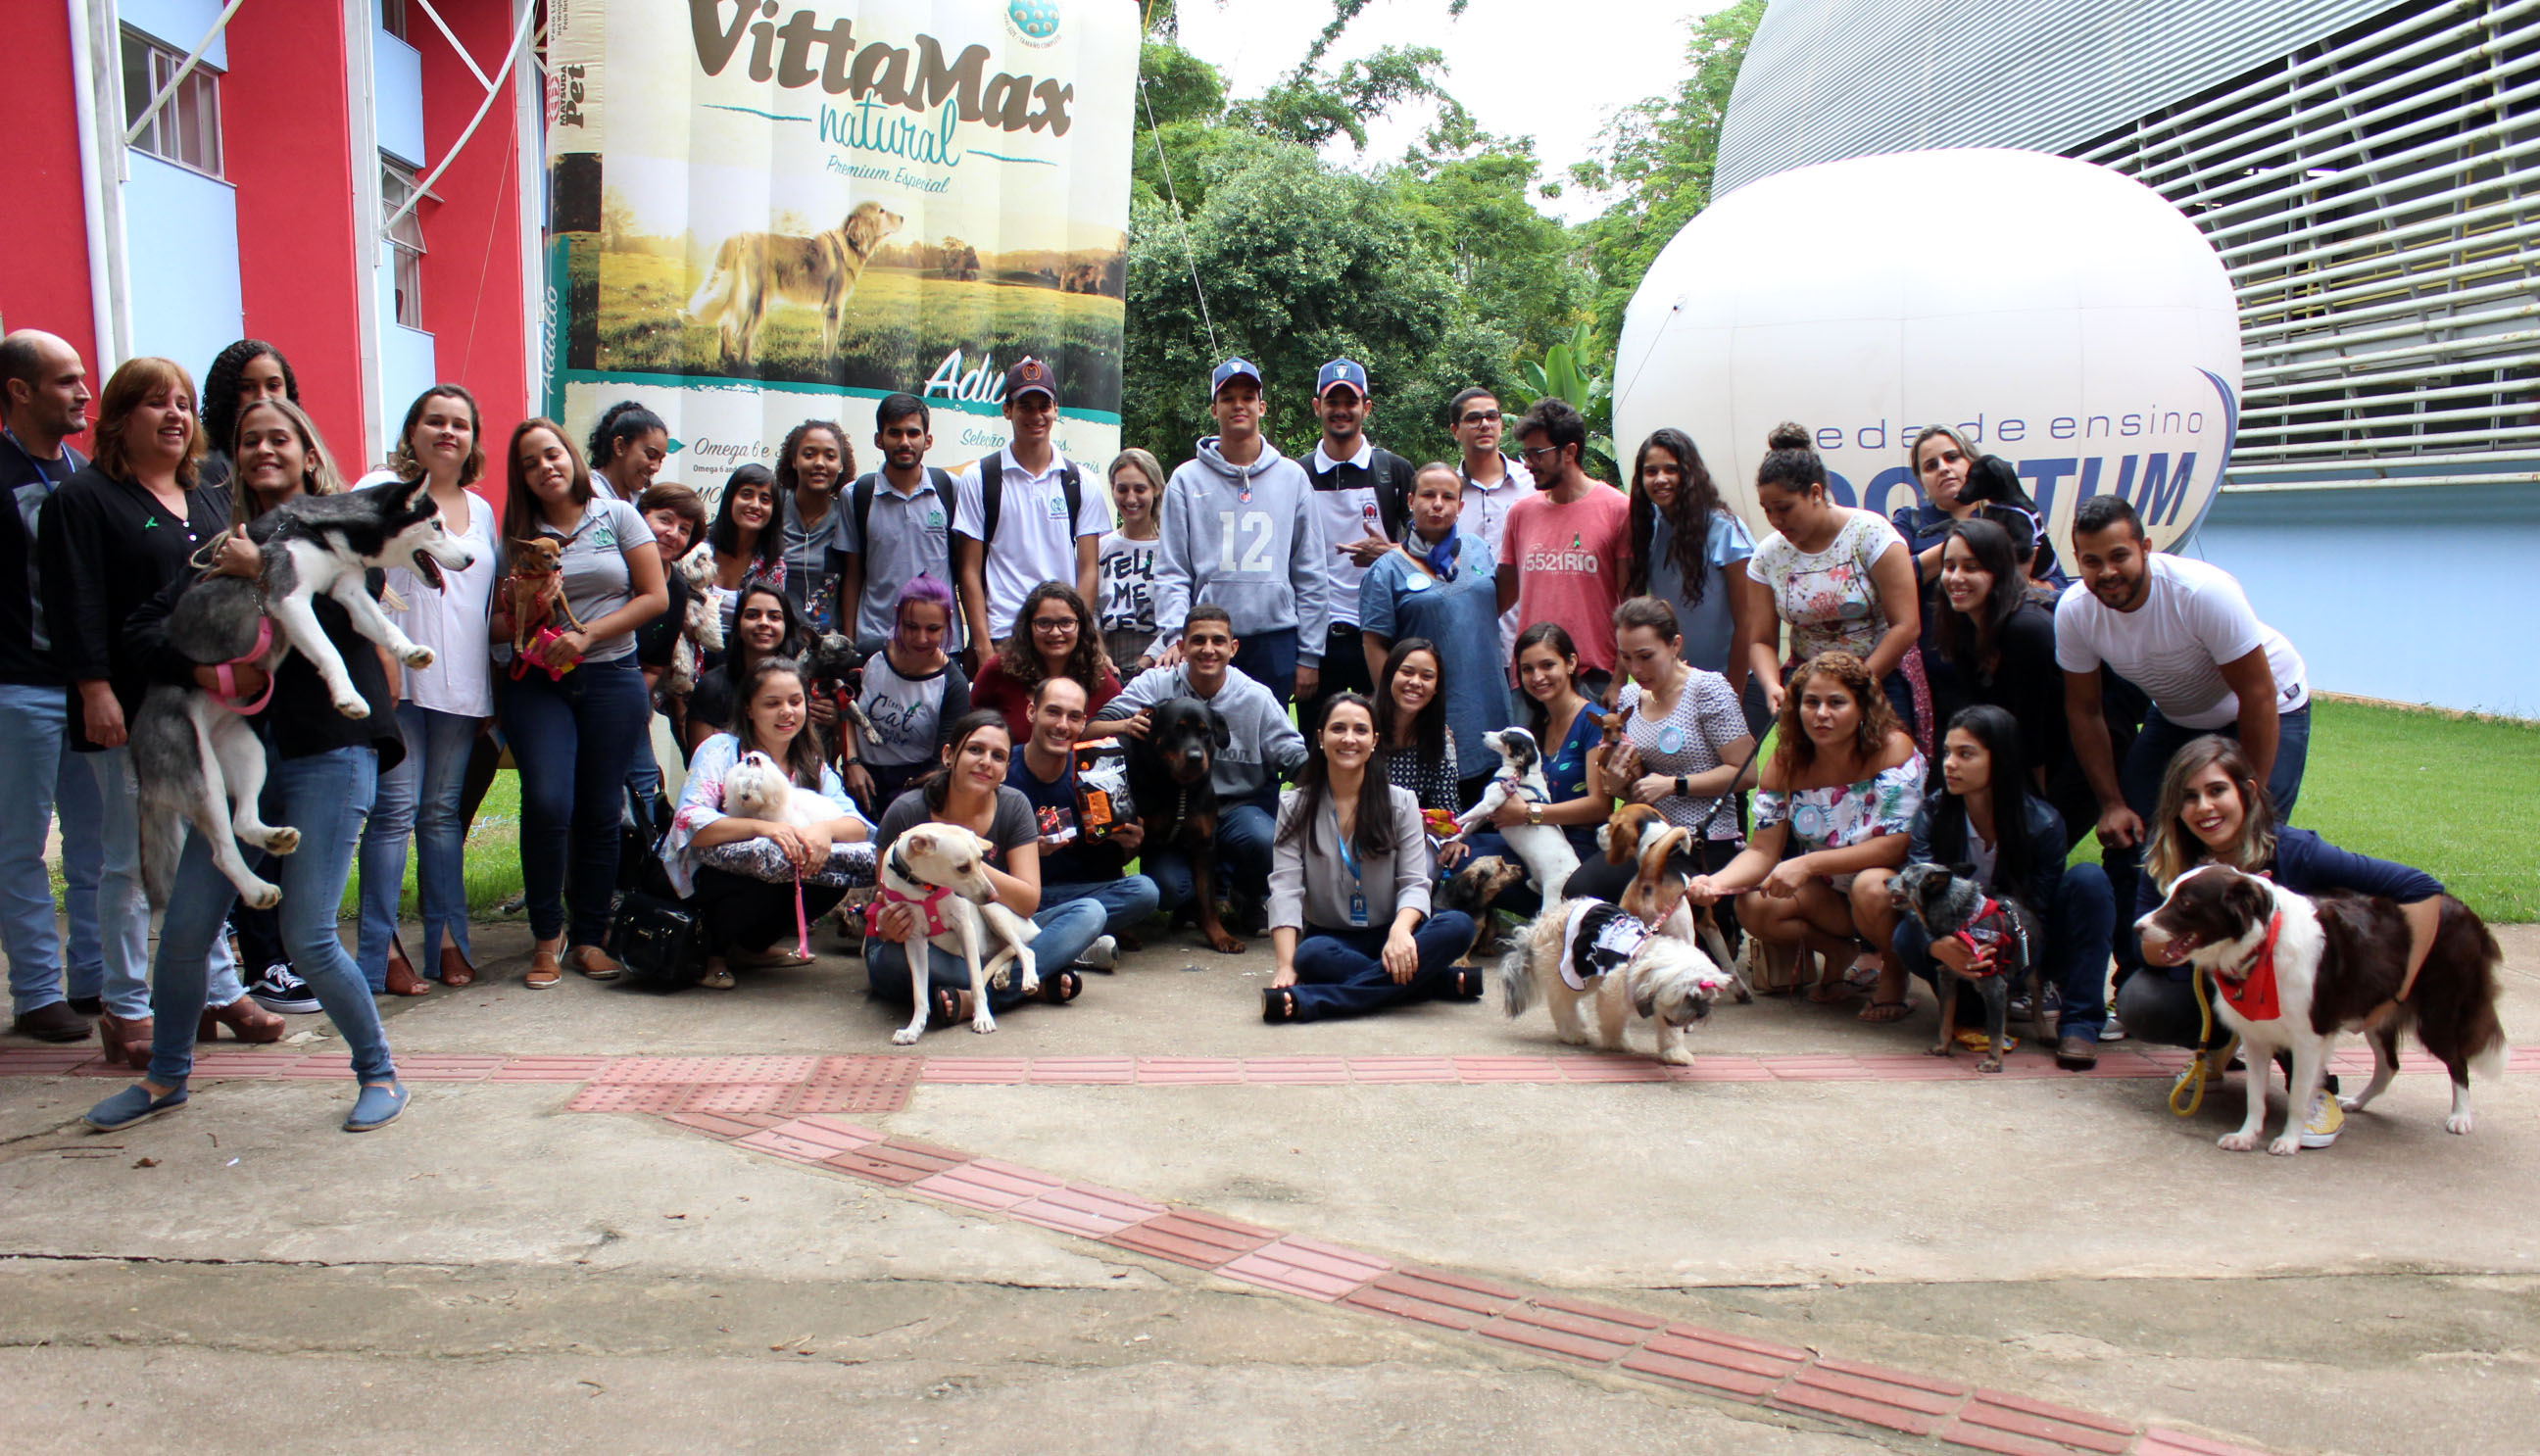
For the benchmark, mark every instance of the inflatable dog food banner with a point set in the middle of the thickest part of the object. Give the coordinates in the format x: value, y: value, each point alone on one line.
x: 2059, y: 314
x: 766, y: 211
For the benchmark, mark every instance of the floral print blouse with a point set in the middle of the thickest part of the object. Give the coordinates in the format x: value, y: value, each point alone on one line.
x: 1841, y: 815
x: 1827, y: 597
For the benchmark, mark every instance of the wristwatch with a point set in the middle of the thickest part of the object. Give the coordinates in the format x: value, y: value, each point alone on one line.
x: 1682, y: 788
x: 1534, y: 814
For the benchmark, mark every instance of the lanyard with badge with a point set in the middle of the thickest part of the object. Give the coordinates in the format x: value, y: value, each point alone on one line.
x: 1349, y: 861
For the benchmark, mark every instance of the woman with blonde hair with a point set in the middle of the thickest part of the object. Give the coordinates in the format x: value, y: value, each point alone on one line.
x: 1832, y: 811
x: 441, y: 708
x: 323, y: 766
x: 1125, y: 563
x: 2213, y: 809
x: 111, y: 537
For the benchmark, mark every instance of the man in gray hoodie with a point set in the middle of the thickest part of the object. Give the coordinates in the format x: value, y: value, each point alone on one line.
x: 1262, y: 749
x: 1241, y: 530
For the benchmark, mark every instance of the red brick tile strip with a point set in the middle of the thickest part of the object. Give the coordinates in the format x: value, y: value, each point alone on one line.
x: 1622, y: 1342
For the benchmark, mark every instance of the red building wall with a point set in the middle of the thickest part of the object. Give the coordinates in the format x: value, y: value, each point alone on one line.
x: 43, y: 246
x: 297, y: 276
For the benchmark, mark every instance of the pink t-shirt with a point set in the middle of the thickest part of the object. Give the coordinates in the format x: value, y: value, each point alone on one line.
x: 1570, y: 562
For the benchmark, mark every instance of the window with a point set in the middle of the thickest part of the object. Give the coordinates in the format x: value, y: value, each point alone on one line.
x: 187, y: 129
x: 405, y: 243
x: 392, y: 19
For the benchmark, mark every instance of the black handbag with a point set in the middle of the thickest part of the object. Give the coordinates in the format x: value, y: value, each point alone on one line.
x: 657, y: 940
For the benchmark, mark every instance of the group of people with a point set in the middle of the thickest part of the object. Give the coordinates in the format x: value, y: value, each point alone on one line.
x: 1936, y: 685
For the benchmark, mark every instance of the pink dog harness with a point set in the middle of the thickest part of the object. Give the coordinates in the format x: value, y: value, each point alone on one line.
x: 229, y: 685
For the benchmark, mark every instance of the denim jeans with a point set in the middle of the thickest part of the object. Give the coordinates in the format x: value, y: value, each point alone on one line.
x: 1270, y: 659
x: 2138, y: 778
x: 123, y: 911
x: 1065, y: 931
x: 2074, y: 959
x: 573, y: 739
x: 1125, y: 902
x: 1242, y: 847
x: 421, y: 795
x: 326, y: 797
x: 1339, y: 972
x: 41, y: 779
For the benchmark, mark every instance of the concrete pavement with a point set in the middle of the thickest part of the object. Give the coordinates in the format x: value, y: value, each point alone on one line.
x: 496, y: 1271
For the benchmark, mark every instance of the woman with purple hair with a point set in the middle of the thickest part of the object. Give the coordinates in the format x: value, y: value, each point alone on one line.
x: 911, y: 690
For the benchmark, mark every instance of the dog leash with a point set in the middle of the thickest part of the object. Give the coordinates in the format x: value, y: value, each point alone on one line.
x: 802, y: 925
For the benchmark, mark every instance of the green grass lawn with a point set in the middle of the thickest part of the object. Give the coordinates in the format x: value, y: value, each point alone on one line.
x: 2420, y: 787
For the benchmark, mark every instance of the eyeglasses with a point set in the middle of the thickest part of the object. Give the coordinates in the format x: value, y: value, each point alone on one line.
x: 1528, y: 456
x: 1053, y: 624
x: 1482, y: 417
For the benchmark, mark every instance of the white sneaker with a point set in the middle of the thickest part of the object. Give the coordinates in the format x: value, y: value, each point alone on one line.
x: 2112, y: 1030
x: 1102, y: 955
x: 2327, y: 1119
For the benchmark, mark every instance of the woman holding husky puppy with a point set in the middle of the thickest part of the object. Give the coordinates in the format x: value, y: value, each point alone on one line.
x: 742, y: 914
x: 325, y: 768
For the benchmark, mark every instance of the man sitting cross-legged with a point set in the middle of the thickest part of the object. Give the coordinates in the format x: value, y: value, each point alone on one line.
x: 1072, y: 866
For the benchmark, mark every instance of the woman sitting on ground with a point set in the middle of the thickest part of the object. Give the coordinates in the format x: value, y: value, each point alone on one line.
x: 1568, y: 729
x: 1411, y: 728
x: 912, y: 691
x: 745, y: 895
x: 1981, y: 813
x: 1349, y: 887
x: 1835, y: 805
x: 2213, y: 810
x: 968, y: 791
x: 1685, y: 750
x: 765, y: 625
x: 1054, y: 636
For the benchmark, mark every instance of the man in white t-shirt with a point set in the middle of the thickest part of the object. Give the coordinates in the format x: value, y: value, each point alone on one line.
x: 1006, y: 541
x: 2184, y: 633
x: 1362, y: 493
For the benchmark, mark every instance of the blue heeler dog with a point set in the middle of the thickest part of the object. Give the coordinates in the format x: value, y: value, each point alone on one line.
x: 2001, y: 936
x: 193, y: 751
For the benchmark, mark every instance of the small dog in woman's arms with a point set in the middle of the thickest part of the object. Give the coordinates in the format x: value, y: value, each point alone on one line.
x: 1544, y: 847
x: 755, y: 786
x: 2001, y: 938
x: 1583, y: 952
x: 2293, y: 972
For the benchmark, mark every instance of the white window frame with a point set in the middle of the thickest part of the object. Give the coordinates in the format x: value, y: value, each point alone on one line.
x: 405, y: 245
x: 187, y: 131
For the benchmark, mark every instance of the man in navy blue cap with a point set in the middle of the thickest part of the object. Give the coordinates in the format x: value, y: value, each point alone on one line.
x: 1360, y: 494
x: 1022, y: 517
x: 1239, y: 530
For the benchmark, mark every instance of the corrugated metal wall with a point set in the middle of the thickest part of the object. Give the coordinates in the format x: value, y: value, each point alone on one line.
x: 1827, y: 79
x: 2366, y: 171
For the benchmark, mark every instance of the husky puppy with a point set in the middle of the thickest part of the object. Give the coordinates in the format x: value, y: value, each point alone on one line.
x: 1544, y: 847
x: 1579, y: 951
x: 1951, y: 902
x: 195, y: 755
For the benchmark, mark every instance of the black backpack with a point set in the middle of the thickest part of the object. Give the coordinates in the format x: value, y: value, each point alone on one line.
x: 991, y: 493
x: 1393, y: 475
x: 861, y: 503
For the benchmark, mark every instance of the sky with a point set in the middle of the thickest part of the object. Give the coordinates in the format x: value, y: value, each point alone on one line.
x: 1519, y: 66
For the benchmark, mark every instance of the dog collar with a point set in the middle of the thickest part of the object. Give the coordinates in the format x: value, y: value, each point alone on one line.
x: 228, y: 694
x: 1522, y: 790
x: 2255, y: 995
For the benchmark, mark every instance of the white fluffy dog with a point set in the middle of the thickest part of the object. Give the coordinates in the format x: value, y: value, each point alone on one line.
x: 1544, y: 847
x: 755, y: 788
x: 1579, y: 951
x: 701, y: 629
x: 938, y: 871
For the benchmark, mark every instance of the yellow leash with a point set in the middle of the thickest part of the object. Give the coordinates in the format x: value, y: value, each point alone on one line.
x: 2190, y: 1089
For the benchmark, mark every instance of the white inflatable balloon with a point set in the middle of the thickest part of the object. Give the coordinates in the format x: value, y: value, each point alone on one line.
x: 2066, y: 317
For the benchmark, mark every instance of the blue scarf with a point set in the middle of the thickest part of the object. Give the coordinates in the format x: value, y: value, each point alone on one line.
x: 1441, y: 559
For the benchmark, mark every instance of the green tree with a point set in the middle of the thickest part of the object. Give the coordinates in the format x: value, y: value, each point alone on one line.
x: 1659, y: 156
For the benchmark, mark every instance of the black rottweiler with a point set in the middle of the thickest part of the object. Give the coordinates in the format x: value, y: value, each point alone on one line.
x: 1170, y: 778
